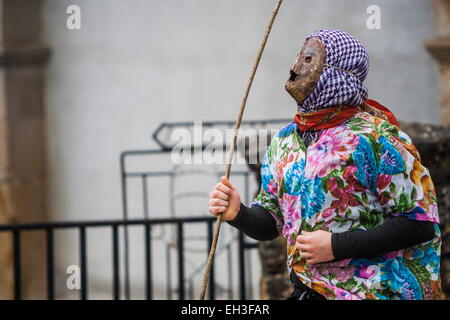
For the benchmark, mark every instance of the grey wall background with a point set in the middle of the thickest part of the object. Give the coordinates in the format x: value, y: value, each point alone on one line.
x: 137, y: 63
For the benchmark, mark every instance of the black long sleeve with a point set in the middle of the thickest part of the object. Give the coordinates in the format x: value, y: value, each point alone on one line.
x: 394, y: 234
x: 256, y: 222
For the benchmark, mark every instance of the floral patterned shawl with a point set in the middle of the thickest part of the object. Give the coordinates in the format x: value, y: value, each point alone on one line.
x: 353, y: 177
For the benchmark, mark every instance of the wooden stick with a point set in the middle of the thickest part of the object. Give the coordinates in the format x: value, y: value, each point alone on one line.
x: 233, y: 145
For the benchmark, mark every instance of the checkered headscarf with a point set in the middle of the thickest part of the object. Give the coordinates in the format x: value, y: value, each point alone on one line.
x: 341, y: 83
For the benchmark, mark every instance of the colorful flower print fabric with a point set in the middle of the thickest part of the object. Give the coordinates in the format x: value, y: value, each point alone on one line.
x: 353, y: 177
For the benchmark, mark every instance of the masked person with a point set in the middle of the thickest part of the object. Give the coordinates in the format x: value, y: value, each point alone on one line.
x: 344, y: 185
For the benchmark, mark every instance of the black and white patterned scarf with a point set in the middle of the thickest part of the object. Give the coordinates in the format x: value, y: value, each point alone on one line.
x: 341, y: 82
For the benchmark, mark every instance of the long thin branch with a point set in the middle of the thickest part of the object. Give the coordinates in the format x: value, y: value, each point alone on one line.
x: 233, y: 145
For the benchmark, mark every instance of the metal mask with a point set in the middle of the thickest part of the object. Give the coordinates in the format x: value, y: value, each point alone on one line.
x: 306, y: 71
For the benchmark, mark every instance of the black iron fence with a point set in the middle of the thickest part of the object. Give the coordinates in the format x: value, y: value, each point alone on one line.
x: 165, y: 147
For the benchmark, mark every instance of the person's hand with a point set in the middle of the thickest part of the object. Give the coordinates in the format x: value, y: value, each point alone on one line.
x: 224, y: 198
x: 315, y: 246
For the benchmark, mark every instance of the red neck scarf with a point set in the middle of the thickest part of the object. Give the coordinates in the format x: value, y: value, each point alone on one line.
x: 334, y: 116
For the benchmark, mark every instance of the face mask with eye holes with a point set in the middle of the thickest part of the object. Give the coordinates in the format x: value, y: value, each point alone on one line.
x: 306, y: 71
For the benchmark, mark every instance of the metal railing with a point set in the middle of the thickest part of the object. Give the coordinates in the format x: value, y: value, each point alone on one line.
x: 114, y: 225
